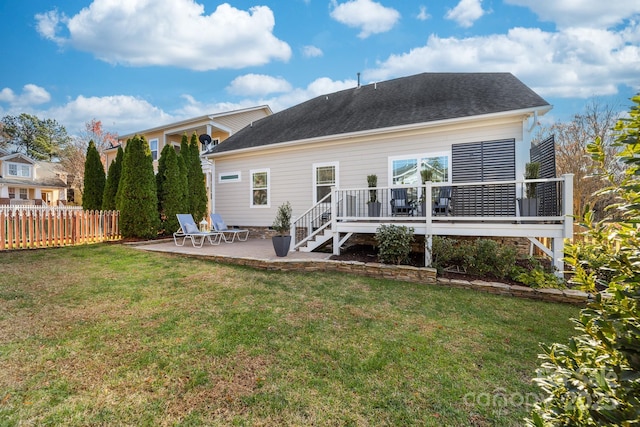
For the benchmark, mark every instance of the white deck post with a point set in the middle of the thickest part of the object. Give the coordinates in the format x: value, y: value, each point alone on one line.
x: 334, y: 229
x: 567, y: 208
x: 428, y: 235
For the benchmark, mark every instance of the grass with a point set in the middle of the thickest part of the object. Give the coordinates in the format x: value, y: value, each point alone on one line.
x: 110, y: 335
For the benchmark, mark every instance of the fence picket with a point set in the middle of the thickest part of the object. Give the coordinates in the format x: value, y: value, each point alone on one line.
x: 35, y: 227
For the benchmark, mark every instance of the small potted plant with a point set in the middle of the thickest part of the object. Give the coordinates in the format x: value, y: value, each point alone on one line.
x: 529, y: 204
x: 373, y: 204
x: 282, y: 226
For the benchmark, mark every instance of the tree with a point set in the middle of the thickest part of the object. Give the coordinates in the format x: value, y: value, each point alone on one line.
x: 113, y: 181
x: 36, y: 138
x: 595, y: 378
x: 94, y: 180
x: 196, y: 180
x: 172, y: 189
x: 73, y: 156
x: 572, y: 138
x: 136, y: 199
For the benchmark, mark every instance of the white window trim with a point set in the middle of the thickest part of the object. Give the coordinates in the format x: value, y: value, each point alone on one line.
x: 157, y: 150
x: 314, y: 171
x: 251, y: 172
x: 226, y: 181
x: 19, y: 166
x: 391, y: 159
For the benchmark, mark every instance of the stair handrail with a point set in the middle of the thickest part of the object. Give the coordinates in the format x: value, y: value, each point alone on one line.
x: 309, y: 216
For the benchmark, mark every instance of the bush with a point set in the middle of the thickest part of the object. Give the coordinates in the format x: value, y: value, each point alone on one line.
x: 282, y: 221
x: 482, y: 257
x: 394, y: 243
x: 595, y: 378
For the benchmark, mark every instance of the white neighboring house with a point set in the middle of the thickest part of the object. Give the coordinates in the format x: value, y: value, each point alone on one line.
x: 24, y: 181
x: 474, y: 129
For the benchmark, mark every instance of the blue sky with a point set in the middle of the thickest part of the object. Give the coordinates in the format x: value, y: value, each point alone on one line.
x: 136, y: 64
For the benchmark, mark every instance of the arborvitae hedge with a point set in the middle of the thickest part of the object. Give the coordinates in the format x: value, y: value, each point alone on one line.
x: 197, y: 184
x: 172, y: 189
x: 94, y: 179
x: 113, y: 181
x: 137, y: 200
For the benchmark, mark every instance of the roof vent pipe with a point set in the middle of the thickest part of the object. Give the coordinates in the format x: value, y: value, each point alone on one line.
x: 358, y: 79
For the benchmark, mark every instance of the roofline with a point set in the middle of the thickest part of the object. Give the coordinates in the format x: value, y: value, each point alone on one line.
x: 541, y: 110
x: 8, y: 156
x: 195, y: 119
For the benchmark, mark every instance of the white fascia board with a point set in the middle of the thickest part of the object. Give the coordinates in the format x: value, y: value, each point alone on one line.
x: 523, y: 113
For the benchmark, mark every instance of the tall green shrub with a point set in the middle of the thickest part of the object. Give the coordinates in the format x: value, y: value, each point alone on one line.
x: 113, y: 181
x: 94, y: 179
x: 137, y: 200
x: 171, y: 189
x: 595, y: 379
x: 196, y: 180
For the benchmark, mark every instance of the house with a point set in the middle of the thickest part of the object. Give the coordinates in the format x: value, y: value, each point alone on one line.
x: 212, y: 129
x: 473, y: 130
x: 25, y: 181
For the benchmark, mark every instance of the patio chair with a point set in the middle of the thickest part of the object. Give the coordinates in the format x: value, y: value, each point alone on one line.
x: 400, y: 204
x: 442, y: 203
x: 189, y: 230
x: 228, y: 234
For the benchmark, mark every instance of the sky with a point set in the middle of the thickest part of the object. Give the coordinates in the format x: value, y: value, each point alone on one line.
x: 137, y: 64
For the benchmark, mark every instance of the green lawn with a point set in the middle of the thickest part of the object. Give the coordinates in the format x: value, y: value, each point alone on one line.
x: 110, y: 335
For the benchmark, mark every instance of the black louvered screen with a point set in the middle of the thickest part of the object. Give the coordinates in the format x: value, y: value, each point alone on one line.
x: 484, y: 162
x: 547, y: 192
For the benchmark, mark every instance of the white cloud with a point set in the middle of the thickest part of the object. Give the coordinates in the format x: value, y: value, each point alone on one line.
x: 371, y: 17
x: 582, y: 13
x: 169, y: 33
x: 258, y: 84
x: 466, y: 12
x: 311, y: 51
x: 576, y: 63
x: 31, y: 95
x: 423, y: 15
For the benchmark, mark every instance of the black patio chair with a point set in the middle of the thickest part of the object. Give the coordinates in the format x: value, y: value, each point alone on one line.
x: 400, y: 204
x: 442, y: 203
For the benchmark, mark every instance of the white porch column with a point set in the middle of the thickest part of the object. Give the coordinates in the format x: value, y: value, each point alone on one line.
x: 567, y: 213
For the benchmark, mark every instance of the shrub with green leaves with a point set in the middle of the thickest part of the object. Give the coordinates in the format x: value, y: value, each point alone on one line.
x: 595, y: 379
x: 394, y: 243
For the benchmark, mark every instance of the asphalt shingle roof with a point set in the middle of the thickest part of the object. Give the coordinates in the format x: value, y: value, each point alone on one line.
x: 409, y: 100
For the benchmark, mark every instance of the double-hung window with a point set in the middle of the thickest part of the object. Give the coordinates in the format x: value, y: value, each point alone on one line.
x: 153, y: 146
x: 260, y: 182
x: 19, y: 170
x: 324, y: 177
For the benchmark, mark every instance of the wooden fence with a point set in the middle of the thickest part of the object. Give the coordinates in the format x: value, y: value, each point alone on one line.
x: 43, y: 227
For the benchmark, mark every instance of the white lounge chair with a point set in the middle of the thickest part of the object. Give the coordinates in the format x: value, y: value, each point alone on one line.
x: 189, y: 230
x: 228, y: 234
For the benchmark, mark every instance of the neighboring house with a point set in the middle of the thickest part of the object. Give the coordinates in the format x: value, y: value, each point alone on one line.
x: 211, y: 129
x: 24, y: 181
x: 467, y: 127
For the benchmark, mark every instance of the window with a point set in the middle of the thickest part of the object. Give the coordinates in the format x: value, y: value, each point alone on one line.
x: 24, y: 194
x: 408, y: 171
x: 324, y: 178
x: 12, y: 192
x: 260, y: 188
x: 229, y: 177
x: 20, y: 170
x: 405, y: 170
x: 153, y: 146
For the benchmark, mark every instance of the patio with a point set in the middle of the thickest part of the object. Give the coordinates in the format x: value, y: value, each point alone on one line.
x: 252, y: 249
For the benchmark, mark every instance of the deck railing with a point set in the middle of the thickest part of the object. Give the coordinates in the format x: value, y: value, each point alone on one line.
x: 26, y: 227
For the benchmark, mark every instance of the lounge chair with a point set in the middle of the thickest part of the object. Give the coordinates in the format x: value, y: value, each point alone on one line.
x: 189, y: 230
x: 228, y: 234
